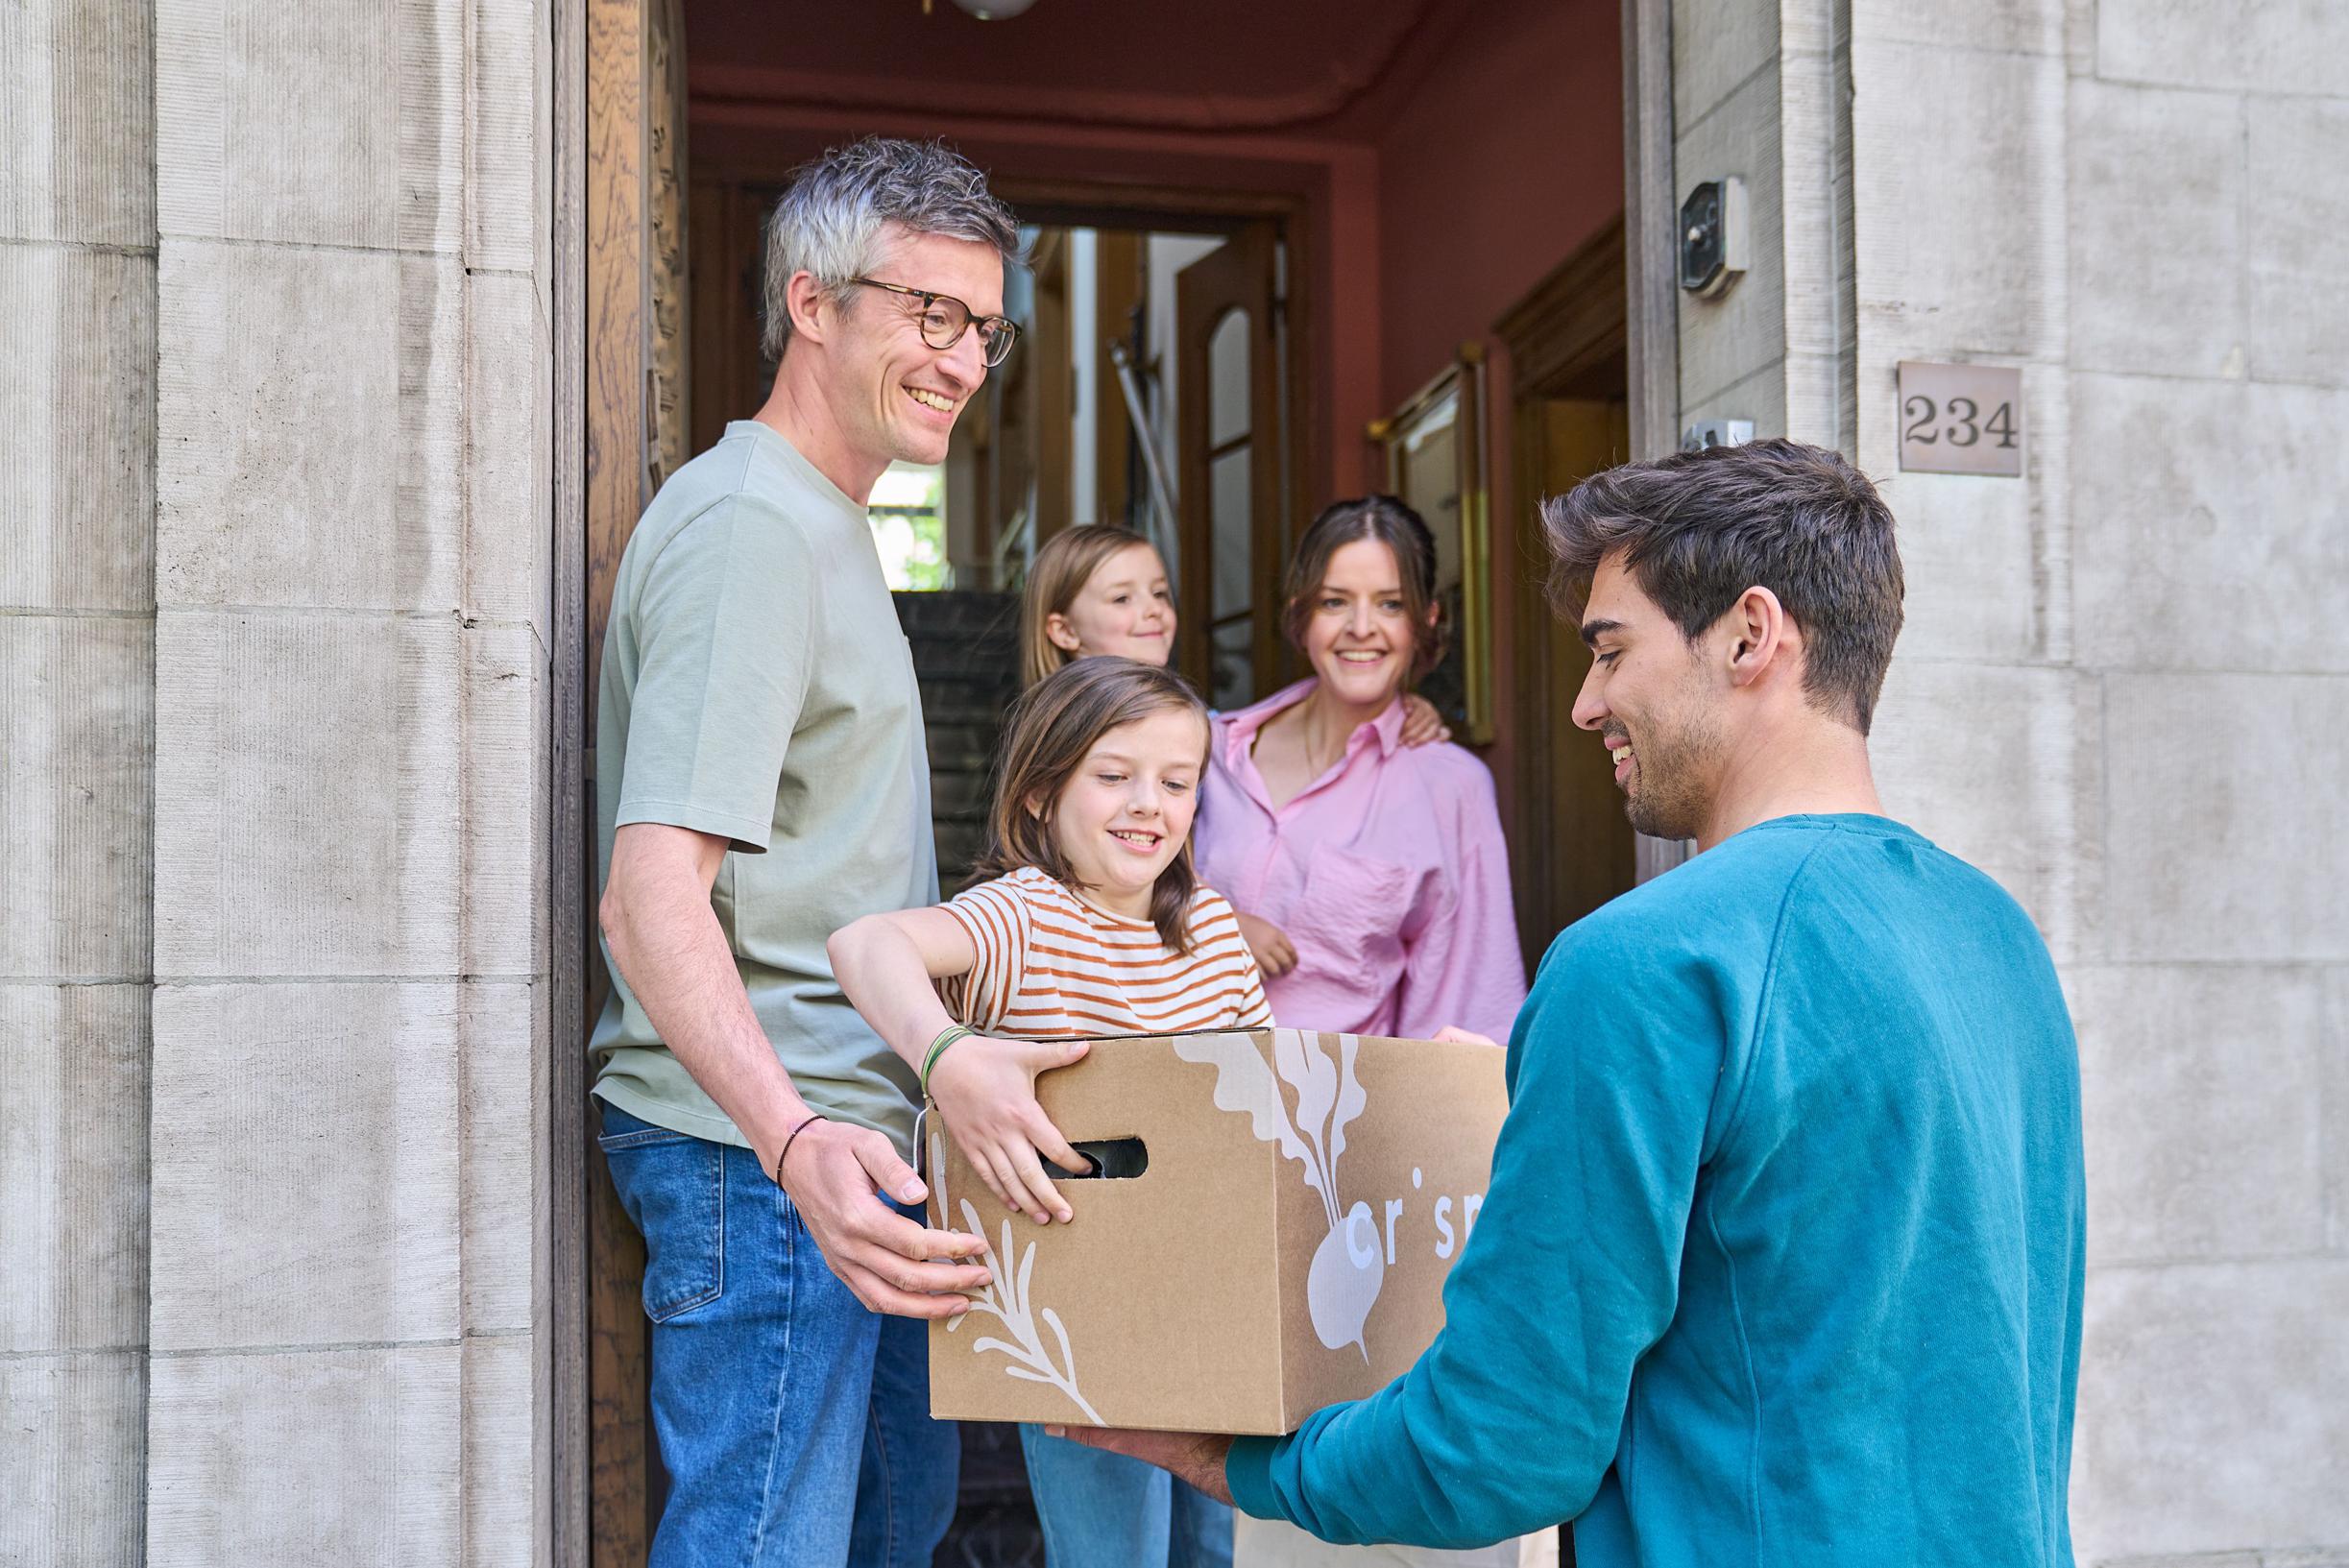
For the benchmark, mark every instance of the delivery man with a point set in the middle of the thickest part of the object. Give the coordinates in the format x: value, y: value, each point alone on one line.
x: 1781, y: 1258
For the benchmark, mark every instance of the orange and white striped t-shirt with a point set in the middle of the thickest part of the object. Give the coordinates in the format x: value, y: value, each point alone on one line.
x: 1052, y: 965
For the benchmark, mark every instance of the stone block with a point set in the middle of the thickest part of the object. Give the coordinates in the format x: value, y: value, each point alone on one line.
x: 1727, y: 339
x: 308, y: 795
x: 1760, y: 397
x: 1987, y: 560
x: 501, y: 1123
x: 1987, y: 762
x: 501, y: 903
x: 311, y: 1196
x: 509, y: 505
x: 2157, y: 190
x: 73, y: 1162
x: 508, y: 158
x: 2201, y: 1092
x: 77, y: 116
x: 2210, y: 523
x: 1958, y: 168
x: 2294, y: 46
x: 77, y: 427
x: 2332, y: 1067
x: 1715, y: 48
x: 2224, y: 833
x: 1817, y: 399
x: 504, y: 1504
x: 359, y: 796
x: 2296, y: 215
x: 2213, y: 1408
x: 338, y: 123
x: 343, y: 1457
x: 311, y: 430
x: 1816, y: 190
x: 77, y: 760
x: 2012, y: 27
x: 1971, y: 552
x: 75, y: 1489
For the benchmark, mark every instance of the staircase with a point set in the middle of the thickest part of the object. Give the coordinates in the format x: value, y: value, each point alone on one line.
x: 966, y: 659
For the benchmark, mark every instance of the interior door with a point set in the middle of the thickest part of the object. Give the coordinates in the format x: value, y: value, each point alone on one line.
x: 1573, y: 850
x: 1229, y: 433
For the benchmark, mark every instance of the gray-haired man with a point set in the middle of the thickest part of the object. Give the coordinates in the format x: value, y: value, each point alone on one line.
x: 763, y: 783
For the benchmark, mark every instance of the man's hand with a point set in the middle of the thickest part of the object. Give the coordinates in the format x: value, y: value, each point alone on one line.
x: 1195, y: 1457
x: 839, y: 1176
x: 986, y: 1090
x: 1275, y: 954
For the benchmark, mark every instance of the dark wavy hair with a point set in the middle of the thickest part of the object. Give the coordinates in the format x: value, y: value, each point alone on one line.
x: 1046, y: 736
x: 1697, y: 529
x: 1386, y: 520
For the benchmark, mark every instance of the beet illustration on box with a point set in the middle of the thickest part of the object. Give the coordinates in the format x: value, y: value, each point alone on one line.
x: 1271, y: 1234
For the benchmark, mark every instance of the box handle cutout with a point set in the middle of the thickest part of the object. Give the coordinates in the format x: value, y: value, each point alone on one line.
x: 1114, y: 1159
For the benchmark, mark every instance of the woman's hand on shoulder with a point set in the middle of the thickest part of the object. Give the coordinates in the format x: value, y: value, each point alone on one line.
x: 1422, y: 725
x: 986, y: 1090
x: 1275, y: 954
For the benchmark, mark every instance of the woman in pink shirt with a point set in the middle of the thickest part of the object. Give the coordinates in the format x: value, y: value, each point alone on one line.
x: 1370, y: 877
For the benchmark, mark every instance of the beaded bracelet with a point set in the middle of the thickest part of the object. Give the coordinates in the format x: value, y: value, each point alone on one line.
x: 947, y: 1036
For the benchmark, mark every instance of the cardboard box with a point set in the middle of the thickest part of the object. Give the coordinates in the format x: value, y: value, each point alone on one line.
x: 1284, y: 1247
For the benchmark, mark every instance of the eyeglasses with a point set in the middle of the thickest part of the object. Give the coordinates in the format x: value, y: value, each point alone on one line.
x: 944, y: 319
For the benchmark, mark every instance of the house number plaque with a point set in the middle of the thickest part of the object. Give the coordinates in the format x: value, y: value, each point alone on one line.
x: 1961, y: 419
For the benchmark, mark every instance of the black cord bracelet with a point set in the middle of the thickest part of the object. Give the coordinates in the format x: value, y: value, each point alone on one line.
x: 786, y: 1146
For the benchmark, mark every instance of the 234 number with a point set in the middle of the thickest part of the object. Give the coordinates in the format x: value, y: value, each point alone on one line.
x: 1966, y: 427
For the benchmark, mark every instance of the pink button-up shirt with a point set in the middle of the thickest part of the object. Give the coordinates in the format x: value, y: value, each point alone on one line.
x: 1388, y: 873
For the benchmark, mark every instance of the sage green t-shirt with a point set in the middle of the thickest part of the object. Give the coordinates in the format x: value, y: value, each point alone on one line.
x: 755, y: 686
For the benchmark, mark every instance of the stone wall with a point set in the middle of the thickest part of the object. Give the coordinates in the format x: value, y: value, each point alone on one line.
x: 2123, y: 687
x: 351, y: 665
x: 77, y: 780
x: 274, y: 661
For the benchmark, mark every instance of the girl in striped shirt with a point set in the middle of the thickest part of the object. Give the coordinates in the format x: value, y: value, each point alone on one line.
x: 1092, y: 922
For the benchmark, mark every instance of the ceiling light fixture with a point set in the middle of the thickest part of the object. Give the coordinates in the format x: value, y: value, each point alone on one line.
x: 995, y: 11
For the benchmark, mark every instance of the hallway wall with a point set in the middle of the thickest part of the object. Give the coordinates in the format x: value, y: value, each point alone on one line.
x: 1506, y: 156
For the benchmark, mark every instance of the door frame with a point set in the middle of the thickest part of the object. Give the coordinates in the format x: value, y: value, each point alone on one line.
x: 587, y: 419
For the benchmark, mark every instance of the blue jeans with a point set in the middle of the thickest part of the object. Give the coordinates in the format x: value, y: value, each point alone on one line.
x: 794, y: 1423
x: 1101, y: 1508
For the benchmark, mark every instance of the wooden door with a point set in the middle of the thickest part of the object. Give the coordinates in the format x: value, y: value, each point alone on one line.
x: 1574, y: 849
x: 634, y: 428
x: 1229, y: 432
x: 1571, y: 847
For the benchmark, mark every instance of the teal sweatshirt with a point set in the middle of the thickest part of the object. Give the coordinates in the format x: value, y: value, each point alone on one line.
x: 1781, y: 1258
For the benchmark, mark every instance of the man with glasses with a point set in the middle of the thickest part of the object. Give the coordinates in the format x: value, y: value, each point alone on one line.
x: 762, y: 781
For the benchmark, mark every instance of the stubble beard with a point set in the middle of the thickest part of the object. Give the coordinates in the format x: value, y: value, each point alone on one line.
x: 1670, y: 769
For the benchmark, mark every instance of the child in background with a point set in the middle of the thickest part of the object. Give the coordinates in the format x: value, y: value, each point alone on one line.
x: 1092, y: 922
x: 1101, y: 590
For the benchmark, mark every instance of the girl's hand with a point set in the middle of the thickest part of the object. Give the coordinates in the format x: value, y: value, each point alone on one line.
x: 1422, y: 725
x: 1275, y: 954
x: 986, y: 1090
x: 1452, y: 1032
